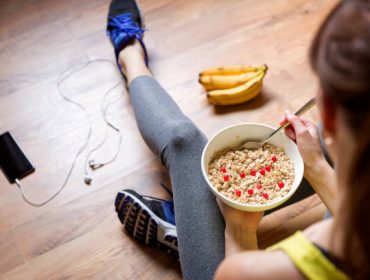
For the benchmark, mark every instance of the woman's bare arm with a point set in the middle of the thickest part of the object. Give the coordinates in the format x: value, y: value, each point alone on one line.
x: 240, y: 229
x: 317, y: 170
x: 255, y: 265
x: 258, y: 265
x: 323, y: 180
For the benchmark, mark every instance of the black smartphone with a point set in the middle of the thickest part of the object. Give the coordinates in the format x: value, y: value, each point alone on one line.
x: 13, y: 162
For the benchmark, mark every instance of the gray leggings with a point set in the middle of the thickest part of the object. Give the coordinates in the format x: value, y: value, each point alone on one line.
x: 176, y: 140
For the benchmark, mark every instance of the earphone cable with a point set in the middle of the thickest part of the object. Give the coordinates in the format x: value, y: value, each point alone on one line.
x: 104, y: 109
x: 60, y: 81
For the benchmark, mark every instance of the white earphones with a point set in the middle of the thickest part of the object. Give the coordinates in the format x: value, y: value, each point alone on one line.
x: 93, y: 165
x: 89, y: 163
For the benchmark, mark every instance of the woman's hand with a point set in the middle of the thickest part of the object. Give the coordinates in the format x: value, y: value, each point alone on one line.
x: 306, y: 135
x: 247, y: 221
x: 317, y: 170
x: 241, y: 229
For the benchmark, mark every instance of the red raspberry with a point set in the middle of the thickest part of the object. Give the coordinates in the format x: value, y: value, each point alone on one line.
x: 268, y: 168
x: 226, y: 177
x: 259, y: 186
x: 242, y: 175
x: 250, y: 191
x: 262, y: 172
x: 253, y: 173
x: 281, y: 184
x: 274, y: 158
x: 223, y: 169
x: 238, y: 193
x: 265, y: 195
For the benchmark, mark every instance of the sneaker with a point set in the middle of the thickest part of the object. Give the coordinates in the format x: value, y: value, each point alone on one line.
x: 125, y: 24
x: 150, y: 221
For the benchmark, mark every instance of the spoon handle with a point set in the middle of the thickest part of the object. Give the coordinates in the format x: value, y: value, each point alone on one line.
x: 301, y: 111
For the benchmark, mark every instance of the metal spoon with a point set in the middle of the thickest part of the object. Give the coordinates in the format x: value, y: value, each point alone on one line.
x: 252, y: 145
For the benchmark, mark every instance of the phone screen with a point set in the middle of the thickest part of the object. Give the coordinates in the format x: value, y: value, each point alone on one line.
x: 13, y: 162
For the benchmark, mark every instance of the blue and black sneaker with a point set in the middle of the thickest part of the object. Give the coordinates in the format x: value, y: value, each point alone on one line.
x: 150, y: 221
x: 124, y: 25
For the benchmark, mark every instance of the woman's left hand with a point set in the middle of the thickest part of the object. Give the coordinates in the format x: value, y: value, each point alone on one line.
x: 247, y: 221
x: 241, y: 229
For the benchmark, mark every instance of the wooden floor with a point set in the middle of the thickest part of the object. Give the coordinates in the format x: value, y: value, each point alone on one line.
x: 77, y: 236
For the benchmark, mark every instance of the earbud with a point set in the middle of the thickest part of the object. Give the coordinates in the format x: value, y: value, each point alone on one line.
x: 94, y: 165
x: 87, y: 180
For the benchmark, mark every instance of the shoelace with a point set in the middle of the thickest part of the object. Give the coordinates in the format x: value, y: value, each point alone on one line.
x: 124, y: 24
x: 160, y: 199
x: 168, y: 205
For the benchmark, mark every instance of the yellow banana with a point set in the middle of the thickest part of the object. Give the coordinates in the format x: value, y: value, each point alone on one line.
x: 234, y: 70
x: 212, y: 82
x: 238, y: 94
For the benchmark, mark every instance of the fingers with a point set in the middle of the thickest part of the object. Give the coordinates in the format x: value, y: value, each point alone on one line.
x: 289, y: 131
x: 308, y: 123
x: 312, y: 128
x: 282, y: 120
x: 296, y: 123
x: 298, y: 126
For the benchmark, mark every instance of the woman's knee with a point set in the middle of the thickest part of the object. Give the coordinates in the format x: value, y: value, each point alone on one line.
x: 186, y: 134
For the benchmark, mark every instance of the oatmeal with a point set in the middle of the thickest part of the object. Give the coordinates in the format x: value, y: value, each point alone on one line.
x: 252, y: 176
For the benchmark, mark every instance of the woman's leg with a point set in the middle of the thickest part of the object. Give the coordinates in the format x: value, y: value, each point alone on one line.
x: 179, y: 144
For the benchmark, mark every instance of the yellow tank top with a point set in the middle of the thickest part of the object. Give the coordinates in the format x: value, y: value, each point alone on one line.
x: 308, y: 258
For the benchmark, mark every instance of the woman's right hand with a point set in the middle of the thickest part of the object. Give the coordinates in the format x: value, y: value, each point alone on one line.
x: 306, y: 135
x: 317, y: 170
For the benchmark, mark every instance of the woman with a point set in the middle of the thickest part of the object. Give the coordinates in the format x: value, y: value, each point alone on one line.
x: 334, y: 249
x: 340, y: 56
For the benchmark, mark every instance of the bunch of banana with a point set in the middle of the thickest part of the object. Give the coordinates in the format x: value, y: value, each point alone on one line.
x: 232, y: 85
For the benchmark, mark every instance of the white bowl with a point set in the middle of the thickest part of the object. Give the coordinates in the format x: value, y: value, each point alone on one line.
x: 232, y: 137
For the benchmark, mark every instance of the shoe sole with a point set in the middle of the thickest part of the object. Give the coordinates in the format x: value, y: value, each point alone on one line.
x: 146, y: 227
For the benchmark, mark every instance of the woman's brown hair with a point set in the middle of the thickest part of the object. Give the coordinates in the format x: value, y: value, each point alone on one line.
x: 340, y: 56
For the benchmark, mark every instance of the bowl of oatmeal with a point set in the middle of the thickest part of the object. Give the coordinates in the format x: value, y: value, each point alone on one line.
x: 252, y: 180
